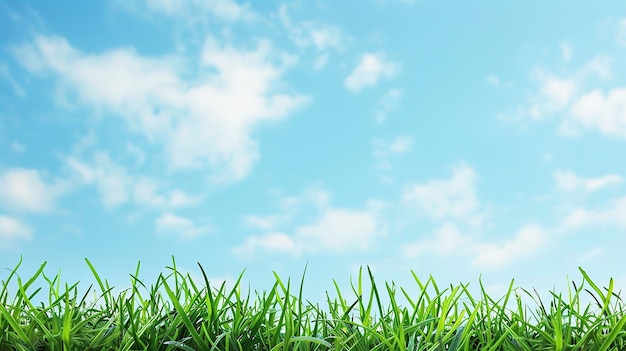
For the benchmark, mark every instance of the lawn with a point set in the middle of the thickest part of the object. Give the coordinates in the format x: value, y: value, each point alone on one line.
x: 178, y: 313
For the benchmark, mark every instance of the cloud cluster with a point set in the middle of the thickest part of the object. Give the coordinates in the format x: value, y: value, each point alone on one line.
x: 116, y: 186
x: 604, y: 112
x: 573, y: 99
x: 453, y: 205
x: 203, y: 122
x: 323, y: 37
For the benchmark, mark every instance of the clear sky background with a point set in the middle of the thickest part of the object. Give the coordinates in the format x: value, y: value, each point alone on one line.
x: 450, y: 138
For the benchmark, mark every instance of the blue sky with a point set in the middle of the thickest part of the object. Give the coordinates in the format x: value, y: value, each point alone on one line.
x: 445, y: 138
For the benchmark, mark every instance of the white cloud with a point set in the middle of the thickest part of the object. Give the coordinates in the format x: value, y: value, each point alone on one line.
x: 613, y: 215
x: 182, y: 227
x: 26, y: 190
x: 388, y: 103
x: 556, y: 94
x: 334, y: 230
x: 314, y: 195
x: 384, y: 150
x: 441, y: 199
x: 527, y: 241
x: 446, y: 240
x: 568, y: 181
x: 371, y: 68
x: 12, y: 229
x: 202, y: 122
x: 595, y: 110
x: 325, y: 37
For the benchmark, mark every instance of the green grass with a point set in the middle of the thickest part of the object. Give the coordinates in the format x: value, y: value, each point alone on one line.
x: 177, y: 313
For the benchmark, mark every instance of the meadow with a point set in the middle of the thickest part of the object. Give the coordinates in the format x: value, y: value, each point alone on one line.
x: 178, y: 313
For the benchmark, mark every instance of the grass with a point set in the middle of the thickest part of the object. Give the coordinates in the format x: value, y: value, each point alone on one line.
x: 176, y: 313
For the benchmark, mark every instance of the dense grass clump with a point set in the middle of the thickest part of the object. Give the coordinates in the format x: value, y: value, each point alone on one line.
x: 176, y: 313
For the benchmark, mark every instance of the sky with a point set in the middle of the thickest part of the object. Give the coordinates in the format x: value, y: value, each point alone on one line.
x: 463, y: 141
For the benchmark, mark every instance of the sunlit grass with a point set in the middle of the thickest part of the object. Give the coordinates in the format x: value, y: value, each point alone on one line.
x: 178, y: 313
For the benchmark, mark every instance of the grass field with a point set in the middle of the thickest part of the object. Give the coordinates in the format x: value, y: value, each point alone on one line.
x: 177, y: 313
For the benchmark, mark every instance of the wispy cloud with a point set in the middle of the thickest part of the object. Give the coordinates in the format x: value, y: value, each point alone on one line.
x: 371, y: 68
x: 181, y: 227
x: 323, y: 37
x: 385, y: 150
x: 569, y: 181
x: 614, y: 214
x: 388, y: 103
x: 5, y: 74
x: 307, y: 33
